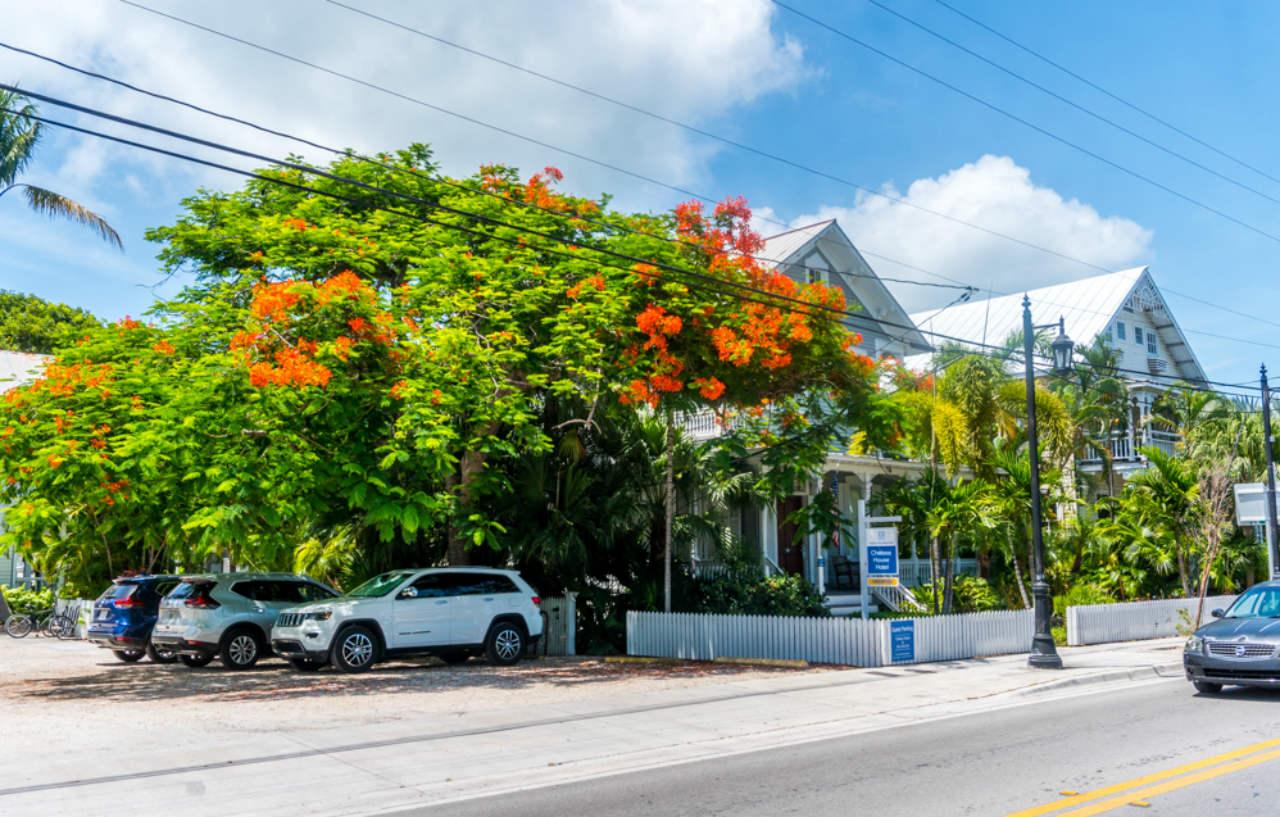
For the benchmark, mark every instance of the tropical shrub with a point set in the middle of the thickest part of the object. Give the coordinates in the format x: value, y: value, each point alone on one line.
x: 972, y: 595
x: 753, y: 594
x: 22, y: 600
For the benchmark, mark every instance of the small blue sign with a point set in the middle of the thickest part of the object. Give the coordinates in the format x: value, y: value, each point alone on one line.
x: 902, y: 640
x: 882, y: 560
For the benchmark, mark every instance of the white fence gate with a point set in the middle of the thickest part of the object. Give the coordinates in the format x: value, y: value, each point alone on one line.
x: 1133, y: 621
x: 850, y: 641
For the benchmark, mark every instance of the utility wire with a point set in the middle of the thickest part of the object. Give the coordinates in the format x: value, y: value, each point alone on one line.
x: 1066, y: 101
x: 1095, y: 86
x: 420, y: 174
x: 598, y: 162
x: 772, y: 298
x: 1022, y: 121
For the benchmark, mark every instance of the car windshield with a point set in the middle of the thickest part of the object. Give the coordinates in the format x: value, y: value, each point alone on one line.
x: 381, y: 585
x: 1260, y: 601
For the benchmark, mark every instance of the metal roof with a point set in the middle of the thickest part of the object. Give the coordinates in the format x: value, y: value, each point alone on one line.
x: 891, y: 319
x: 1088, y: 307
x: 19, y: 368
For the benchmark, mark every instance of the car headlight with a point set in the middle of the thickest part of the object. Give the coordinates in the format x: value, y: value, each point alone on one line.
x: 322, y: 615
x: 1195, y: 644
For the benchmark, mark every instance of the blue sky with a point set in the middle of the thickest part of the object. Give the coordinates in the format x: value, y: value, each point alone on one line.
x: 748, y: 70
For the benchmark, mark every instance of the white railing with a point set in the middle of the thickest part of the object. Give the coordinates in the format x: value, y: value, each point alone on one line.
x: 848, y: 641
x: 1125, y: 449
x: 915, y: 572
x: 1134, y: 621
x: 701, y: 425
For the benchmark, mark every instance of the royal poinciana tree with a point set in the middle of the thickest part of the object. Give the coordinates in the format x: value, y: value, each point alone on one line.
x: 361, y: 365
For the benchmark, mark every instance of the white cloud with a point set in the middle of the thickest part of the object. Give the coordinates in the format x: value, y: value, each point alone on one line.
x: 689, y: 60
x: 998, y: 194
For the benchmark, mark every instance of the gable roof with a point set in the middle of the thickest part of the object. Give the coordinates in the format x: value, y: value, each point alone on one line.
x: 1088, y: 306
x: 883, y: 312
x: 19, y: 368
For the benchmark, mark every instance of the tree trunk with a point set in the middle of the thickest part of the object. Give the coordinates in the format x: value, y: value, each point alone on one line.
x: 935, y: 569
x: 1017, y: 569
x: 471, y: 466
x: 1184, y: 573
x: 670, y: 502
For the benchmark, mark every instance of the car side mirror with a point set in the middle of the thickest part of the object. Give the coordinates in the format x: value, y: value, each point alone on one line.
x: 408, y: 593
x: 1218, y: 613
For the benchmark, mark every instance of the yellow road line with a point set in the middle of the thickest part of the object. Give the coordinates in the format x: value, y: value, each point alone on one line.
x: 1134, y: 798
x: 1137, y: 782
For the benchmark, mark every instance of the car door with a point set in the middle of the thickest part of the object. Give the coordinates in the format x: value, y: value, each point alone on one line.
x: 421, y: 612
x: 471, y: 607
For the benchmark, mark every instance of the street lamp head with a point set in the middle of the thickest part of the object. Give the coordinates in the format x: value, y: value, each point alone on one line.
x: 1063, y: 347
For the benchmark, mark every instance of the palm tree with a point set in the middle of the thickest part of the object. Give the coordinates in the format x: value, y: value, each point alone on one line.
x: 19, y: 133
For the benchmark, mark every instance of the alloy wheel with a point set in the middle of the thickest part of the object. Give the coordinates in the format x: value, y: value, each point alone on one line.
x: 507, y: 643
x: 357, y: 649
x: 243, y: 649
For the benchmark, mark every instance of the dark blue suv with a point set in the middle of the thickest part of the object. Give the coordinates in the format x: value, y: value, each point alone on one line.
x: 125, y: 613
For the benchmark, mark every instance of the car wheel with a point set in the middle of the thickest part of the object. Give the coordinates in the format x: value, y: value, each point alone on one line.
x: 1206, y: 688
x: 454, y: 656
x: 160, y: 655
x: 354, y: 650
x: 307, y: 664
x: 195, y: 661
x: 505, y: 643
x: 129, y: 656
x: 240, y: 649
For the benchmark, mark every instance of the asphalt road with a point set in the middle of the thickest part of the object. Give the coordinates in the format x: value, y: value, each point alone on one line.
x: 1156, y: 749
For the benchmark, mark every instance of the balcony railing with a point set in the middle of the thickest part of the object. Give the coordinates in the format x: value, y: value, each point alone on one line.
x: 1125, y: 446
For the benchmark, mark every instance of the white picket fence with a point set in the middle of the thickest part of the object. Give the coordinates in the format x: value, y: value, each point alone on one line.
x: 850, y: 641
x: 1133, y: 621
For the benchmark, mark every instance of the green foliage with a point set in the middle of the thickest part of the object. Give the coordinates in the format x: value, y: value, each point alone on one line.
x: 972, y: 595
x: 31, y: 324
x: 22, y: 600
x: 1081, y: 594
x: 753, y: 594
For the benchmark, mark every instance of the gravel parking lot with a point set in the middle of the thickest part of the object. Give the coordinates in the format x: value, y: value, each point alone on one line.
x: 53, y: 685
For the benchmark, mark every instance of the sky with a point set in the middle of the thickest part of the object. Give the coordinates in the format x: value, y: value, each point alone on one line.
x: 749, y: 70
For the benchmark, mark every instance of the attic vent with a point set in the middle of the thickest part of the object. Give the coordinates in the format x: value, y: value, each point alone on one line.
x: 1155, y: 365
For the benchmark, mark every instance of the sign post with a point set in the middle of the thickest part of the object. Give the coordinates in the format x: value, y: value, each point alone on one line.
x: 877, y: 555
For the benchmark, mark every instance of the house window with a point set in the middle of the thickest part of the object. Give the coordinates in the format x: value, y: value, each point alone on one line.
x: 1120, y: 330
x: 815, y: 275
x: 1137, y: 335
x: 1151, y: 343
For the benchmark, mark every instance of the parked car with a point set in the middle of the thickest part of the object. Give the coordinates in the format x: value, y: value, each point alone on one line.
x: 1241, y: 647
x: 229, y: 615
x: 125, y: 614
x: 452, y: 613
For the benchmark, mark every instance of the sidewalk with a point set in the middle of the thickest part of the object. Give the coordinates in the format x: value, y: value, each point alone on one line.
x: 316, y: 757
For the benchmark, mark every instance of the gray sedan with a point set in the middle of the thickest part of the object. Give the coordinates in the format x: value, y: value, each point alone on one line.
x: 1242, y: 647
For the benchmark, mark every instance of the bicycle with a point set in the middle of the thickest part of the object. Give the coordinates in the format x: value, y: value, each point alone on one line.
x: 62, y: 625
x: 20, y: 625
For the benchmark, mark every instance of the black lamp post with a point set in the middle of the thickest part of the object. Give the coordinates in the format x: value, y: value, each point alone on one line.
x: 1044, y: 655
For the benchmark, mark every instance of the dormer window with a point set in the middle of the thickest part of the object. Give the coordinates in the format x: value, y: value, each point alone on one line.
x: 1120, y: 330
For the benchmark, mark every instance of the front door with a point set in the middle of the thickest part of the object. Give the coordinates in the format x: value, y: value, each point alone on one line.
x: 421, y: 613
x: 790, y: 549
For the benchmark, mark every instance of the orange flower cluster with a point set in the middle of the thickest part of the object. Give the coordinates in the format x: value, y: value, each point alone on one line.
x: 292, y: 368
x: 345, y: 284
x: 709, y: 387
x: 164, y: 347
x: 273, y: 301
x: 298, y: 224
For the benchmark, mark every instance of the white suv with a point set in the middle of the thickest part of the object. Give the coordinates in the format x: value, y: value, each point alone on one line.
x: 452, y: 613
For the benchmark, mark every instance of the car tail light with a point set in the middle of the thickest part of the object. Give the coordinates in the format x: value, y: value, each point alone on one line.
x: 201, y: 600
x: 129, y: 602
x: 537, y: 600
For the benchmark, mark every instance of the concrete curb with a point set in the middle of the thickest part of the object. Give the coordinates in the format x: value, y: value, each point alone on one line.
x: 1153, y: 672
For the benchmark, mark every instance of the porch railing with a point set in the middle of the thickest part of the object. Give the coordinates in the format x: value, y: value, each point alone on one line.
x: 1125, y: 447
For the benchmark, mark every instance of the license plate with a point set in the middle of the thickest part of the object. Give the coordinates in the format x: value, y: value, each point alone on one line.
x: 103, y: 613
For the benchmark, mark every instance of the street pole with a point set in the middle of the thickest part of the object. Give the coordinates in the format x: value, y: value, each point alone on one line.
x: 1273, y: 536
x: 1044, y: 654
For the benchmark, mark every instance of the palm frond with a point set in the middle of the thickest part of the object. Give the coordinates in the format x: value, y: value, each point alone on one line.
x: 18, y: 135
x: 55, y: 204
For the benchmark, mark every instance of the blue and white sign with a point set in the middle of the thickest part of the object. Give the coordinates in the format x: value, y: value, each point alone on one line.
x: 882, y: 557
x: 902, y: 640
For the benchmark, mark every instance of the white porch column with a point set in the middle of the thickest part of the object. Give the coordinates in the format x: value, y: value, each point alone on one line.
x: 769, y: 532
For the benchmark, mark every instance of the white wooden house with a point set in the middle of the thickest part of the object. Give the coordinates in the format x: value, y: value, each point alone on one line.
x: 1127, y: 309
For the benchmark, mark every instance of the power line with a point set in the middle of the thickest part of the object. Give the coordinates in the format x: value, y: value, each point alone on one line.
x: 414, y: 172
x: 598, y: 162
x: 1132, y: 106
x: 601, y: 163
x: 742, y: 146
x: 1022, y: 121
x: 1066, y: 101
x: 1004, y: 355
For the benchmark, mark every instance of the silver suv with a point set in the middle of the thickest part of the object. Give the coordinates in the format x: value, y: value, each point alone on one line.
x: 229, y: 615
x: 452, y: 613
